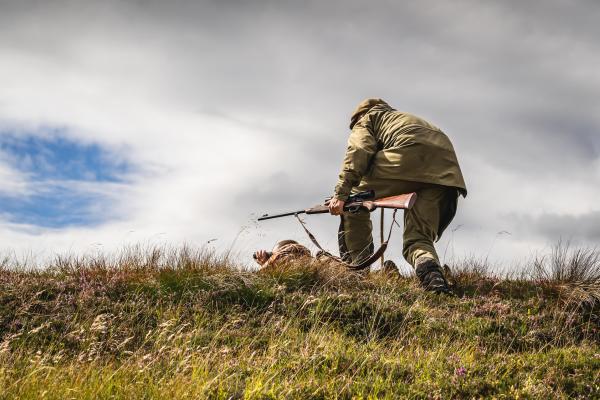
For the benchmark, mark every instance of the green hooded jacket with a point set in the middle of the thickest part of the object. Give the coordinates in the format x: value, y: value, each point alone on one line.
x: 389, y: 144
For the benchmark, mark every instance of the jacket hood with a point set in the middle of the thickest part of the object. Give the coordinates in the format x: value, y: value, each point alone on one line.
x: 364, y: 107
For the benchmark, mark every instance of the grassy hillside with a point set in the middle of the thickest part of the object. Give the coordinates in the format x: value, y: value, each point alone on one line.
x: 187, y: 324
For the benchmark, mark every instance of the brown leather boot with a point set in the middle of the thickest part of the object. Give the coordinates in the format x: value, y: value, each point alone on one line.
x: 431, y: 276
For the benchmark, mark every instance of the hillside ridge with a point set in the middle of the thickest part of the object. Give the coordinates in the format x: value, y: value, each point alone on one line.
x: 187, y: 323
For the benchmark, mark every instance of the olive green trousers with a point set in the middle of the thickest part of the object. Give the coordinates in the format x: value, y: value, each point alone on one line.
x: 421, y: 222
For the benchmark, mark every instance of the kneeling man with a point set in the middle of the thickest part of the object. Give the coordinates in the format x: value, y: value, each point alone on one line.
x: 393, y: 152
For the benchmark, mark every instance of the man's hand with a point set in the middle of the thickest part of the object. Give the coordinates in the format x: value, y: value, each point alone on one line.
x: 261, y: 256
x: 336, y: 206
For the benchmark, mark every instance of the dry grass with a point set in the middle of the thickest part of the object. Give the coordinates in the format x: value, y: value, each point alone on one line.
x: 185, y: 323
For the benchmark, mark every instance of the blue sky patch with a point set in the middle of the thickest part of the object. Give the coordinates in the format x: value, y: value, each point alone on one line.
x: 57, y: 207
x: 59, y: 158
x: 60, y: 170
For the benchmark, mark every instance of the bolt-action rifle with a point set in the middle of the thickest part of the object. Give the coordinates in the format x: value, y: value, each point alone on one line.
x: 355, y: 202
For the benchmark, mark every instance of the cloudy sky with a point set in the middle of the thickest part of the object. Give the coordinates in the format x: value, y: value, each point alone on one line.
x: 160, y: 122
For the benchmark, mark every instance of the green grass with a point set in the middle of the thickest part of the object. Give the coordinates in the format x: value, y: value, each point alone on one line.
x: 186, y: 324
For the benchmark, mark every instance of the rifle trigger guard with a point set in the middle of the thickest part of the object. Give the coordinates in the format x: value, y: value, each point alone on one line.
x: 354, y: 209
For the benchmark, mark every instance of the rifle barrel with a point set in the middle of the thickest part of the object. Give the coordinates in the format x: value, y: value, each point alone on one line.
x: 267, y: 216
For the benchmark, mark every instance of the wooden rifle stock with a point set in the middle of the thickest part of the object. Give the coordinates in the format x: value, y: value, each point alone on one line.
x: 402, y: 201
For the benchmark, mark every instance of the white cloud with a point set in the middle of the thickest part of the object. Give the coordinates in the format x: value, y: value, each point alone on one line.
x: 220, y: 104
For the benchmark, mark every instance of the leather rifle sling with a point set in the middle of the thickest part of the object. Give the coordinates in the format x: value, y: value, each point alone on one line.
x: 381, y: 227
x: 354, y: 267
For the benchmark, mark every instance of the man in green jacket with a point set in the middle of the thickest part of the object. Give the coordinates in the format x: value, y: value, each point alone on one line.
x: 393, y: 152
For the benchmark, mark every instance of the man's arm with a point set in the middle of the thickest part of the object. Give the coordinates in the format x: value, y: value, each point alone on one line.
x: 361, y: 148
